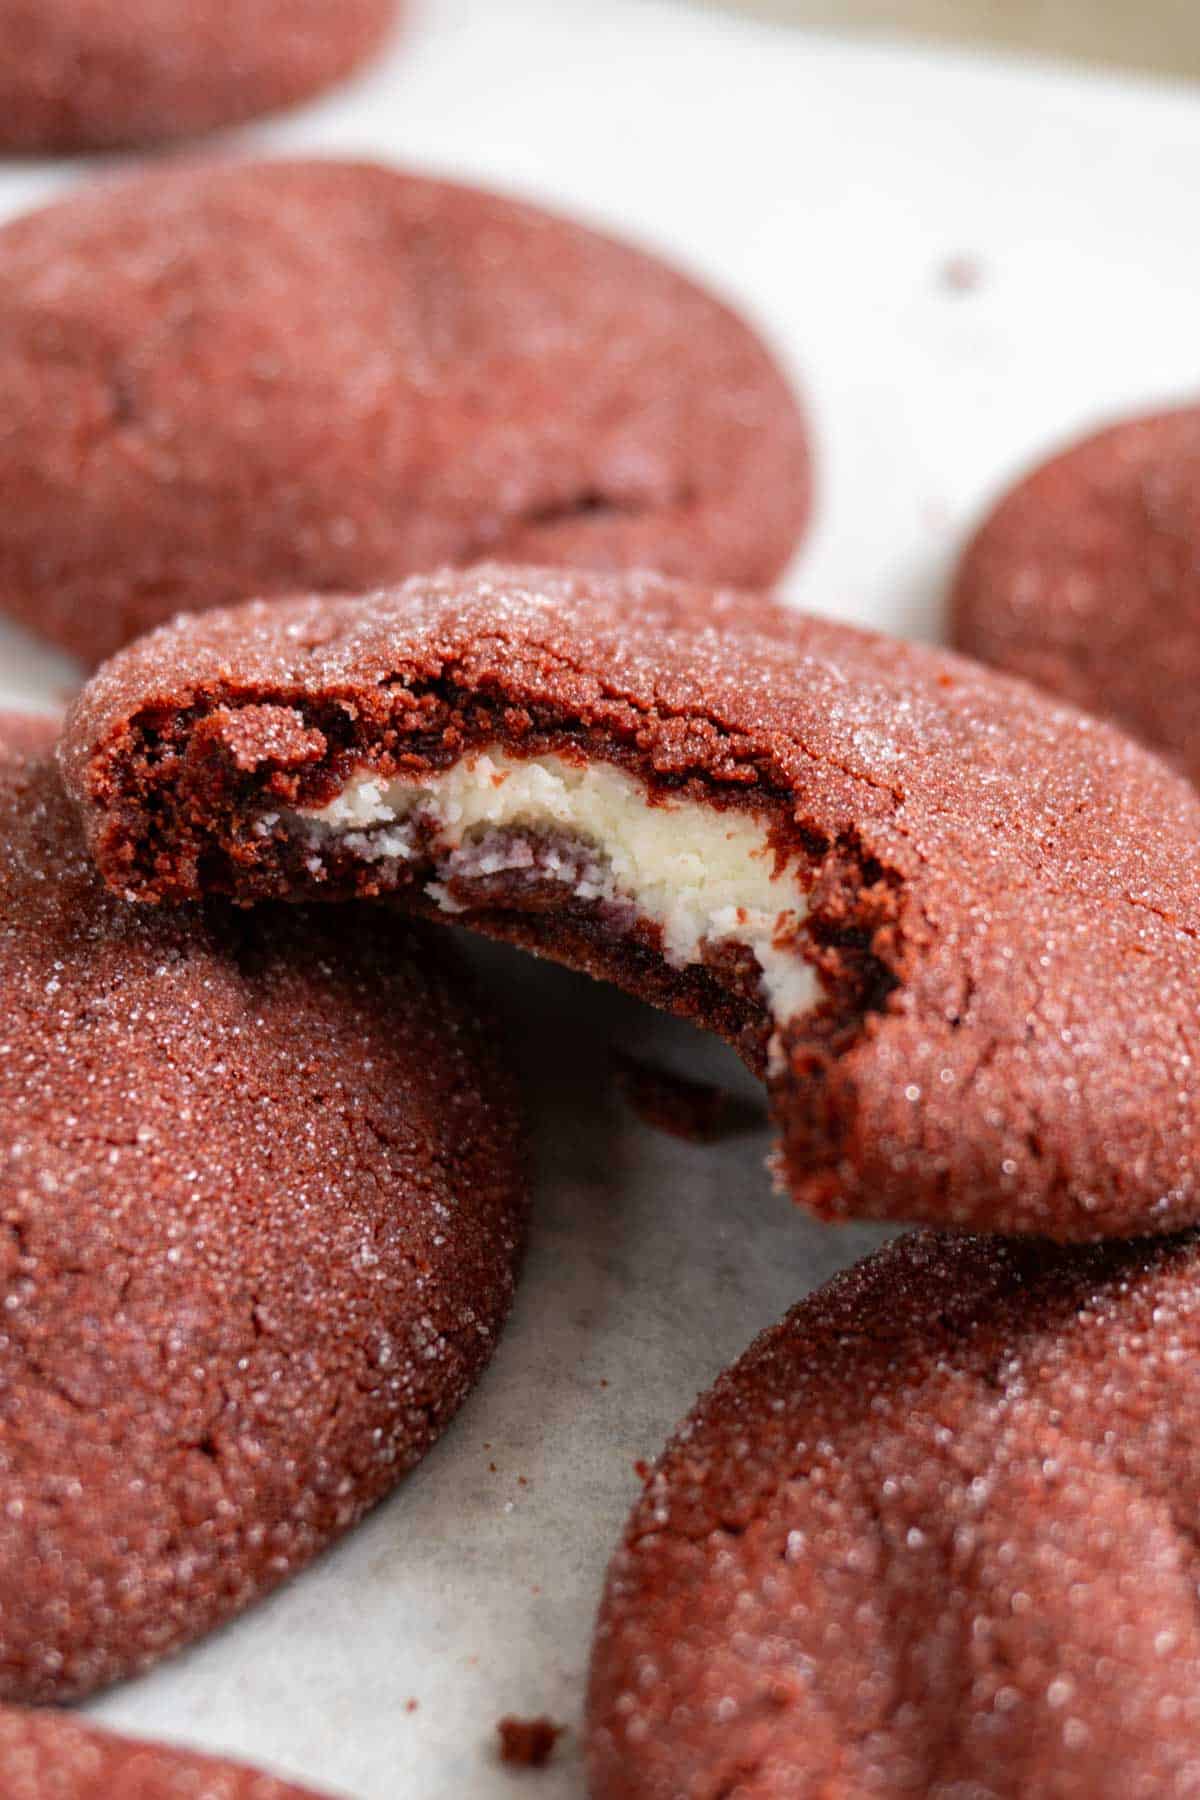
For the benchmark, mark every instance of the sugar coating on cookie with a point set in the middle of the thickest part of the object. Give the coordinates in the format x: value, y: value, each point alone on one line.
x: 50, y: 1756
x: 262, y: 1195
x: 109, y: 74
x: 241, y: 380
x: 935, y: 1534
x: 952, y: 922
x: 1085, y: 579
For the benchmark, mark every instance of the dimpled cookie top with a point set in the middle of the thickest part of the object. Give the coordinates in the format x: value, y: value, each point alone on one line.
x: 1086, y: 579
x: 991, y: 895
x: 48, y: 1756
x: 933, y: 1536
x: 241, y: 380
x: 102, y: 74
x: 261, y: 1201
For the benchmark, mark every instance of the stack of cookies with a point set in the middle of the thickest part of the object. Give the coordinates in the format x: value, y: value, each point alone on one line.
x: 429, y: 538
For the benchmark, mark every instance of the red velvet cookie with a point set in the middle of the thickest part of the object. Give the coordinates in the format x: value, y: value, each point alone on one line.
x: 261, y: 1200
x: 105, y: 74
x: 934, y: 1535
x: 244, y: 380
x: 954, y: 924
x: 48, y: 1756
x: 1086, y: 580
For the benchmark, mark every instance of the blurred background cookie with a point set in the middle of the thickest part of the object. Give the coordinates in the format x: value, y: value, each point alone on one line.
x: 1086, y: 579
x: 107, y: 74
x: 245, y: 380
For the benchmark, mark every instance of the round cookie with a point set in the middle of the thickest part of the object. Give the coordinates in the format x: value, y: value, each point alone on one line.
x: 934, y: 1535
x: 110, y: 74
x: 1086, y: 580
x: 261, y: 1200
x: 252, y: 379
x: 48, y: 1756
x: 954, y: 924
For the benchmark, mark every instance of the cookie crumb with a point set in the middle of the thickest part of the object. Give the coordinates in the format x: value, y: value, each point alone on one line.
x: 528, y: 1743
x: 696, y: 1111
x: 961, y: 274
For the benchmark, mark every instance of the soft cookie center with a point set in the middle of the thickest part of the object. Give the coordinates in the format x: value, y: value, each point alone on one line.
x: 703, y: 875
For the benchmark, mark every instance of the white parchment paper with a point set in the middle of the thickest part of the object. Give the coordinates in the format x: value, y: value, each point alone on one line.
x: 963, y: 262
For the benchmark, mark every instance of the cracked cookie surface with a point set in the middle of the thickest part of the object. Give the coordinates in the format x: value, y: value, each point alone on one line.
x: 262, y: 1196
x: 110, y: 74
x: 241, y: 380
x: 934, y: 1535
x: 978, y: 1006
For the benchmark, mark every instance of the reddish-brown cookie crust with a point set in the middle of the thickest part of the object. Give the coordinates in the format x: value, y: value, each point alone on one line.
x: 1003, y: 902
x: 244, y: 380
x: 1086, y: 580
x: 110, y: 74
x: 49, y: 1756
x: 934, y: 1535
x: 261, y: 1199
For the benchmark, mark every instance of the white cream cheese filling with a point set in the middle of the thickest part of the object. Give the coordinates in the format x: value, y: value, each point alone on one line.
x: 700, y: 873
